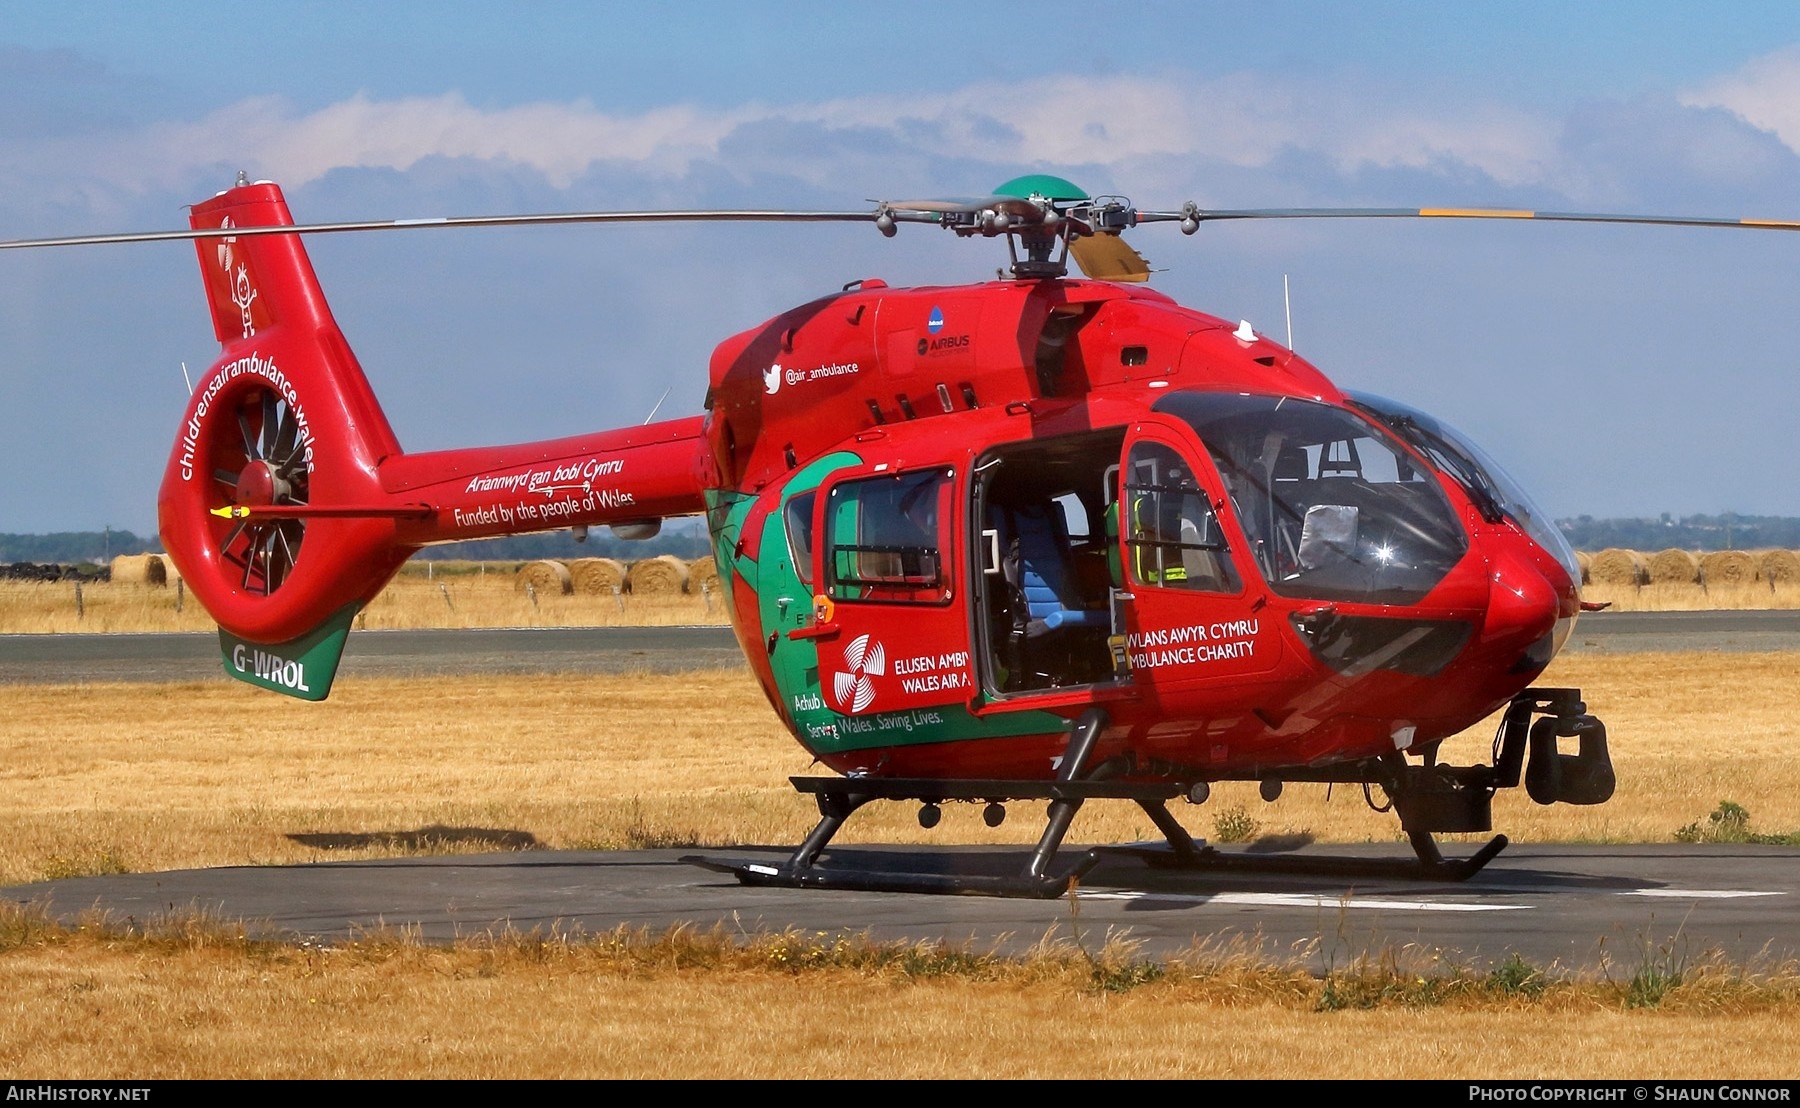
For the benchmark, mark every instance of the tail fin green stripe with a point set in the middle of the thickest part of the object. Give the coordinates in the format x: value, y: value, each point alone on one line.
x: 302, y: 667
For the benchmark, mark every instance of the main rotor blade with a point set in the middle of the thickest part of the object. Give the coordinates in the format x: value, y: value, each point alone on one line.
x: 1011, y: 205
x: 946, y: 204
x: 1203, y: 215
x: 546, y: 219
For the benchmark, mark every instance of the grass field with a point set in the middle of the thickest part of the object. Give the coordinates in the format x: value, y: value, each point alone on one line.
x: 109, y: 778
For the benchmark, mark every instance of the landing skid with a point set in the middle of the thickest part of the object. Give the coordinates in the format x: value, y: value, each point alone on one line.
x: 1024, y: 886
x: 839, y: 797
x: 1430, y: 865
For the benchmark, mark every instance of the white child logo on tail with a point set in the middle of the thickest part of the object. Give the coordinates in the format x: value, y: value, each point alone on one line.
x: 242, y: 292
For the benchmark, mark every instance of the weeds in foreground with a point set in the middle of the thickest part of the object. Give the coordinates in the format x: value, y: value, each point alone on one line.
x: 1235, y: 972
x: 1730, y: 823
x: 91, y: 862
x: 1235, y: 825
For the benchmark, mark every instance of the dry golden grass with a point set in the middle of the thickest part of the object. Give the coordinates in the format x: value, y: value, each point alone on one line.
x: 1672, y: 597
x: 470, y: 595
x: 210, y: 773
x: 103, y: 778
x: 197, y: 1002
x: 57, y: 608
x: 144, y: 777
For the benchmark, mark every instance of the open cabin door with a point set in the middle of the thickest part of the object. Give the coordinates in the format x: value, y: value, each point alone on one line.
x: 1045, y: 581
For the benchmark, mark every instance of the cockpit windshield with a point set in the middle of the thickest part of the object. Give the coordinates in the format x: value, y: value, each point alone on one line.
x: 1333, y: 507
x: 1498, y: 495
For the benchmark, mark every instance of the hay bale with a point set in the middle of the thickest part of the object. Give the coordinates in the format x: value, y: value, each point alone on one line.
x: 1727, y: 567
x: 1779, y: 567
x: 1674, y: 567
x: 140, y: 569
x: 597, y: 576
x: 663, y: 575
x: 1586, y: 562
x: 703, y: 575
x: 546, y: 578
x: 1618, y: 567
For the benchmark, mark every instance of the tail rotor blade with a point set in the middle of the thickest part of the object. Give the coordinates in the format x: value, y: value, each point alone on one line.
x: 271, y: 424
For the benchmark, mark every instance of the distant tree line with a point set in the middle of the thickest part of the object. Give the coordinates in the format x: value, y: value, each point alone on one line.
x: 1729, y: 531
x: 686, y: 538
x: 70, y: 547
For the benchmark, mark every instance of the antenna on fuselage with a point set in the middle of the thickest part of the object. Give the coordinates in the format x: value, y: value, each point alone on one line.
x: 1287, y: 305
x: 657, y: 406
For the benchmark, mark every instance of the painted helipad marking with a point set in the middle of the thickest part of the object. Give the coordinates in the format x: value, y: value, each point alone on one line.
x: 1701, y: 894
x: 1304, y: 900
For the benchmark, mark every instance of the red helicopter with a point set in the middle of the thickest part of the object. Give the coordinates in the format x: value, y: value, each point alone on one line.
x: 1038, y: 538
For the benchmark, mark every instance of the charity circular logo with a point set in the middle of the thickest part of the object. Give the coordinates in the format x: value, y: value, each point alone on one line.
x: 863, y: 660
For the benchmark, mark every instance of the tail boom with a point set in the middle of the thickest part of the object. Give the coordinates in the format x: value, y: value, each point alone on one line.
x: 613, y: 477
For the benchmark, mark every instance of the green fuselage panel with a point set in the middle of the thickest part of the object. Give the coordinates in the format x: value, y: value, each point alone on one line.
x: 785, y: 603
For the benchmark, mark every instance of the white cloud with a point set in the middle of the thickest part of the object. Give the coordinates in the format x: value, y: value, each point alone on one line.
x: 1241, y: 120
x: 558, y: 140
x: 1765, y: 93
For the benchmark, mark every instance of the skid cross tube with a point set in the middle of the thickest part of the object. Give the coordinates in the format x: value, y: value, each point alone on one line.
x: 1075, y: 784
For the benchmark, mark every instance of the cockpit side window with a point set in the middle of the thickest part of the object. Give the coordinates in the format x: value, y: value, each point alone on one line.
x: 886, y: 536
x: 1172, y: 538
x: 1334, y: 507
x: 798, y: 521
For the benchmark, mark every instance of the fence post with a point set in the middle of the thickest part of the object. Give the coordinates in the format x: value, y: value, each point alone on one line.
x: 180, y: 594
x: 445, y: 589
x: 531, y: 591
x: 80, y: 608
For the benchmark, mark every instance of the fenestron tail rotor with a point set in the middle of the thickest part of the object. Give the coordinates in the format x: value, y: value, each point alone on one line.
x: 264, y: 467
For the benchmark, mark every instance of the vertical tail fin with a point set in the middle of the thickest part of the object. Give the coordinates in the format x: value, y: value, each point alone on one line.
x: 280, y: 436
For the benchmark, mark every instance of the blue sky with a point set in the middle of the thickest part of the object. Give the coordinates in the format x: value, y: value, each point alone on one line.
x: 1614, y: 371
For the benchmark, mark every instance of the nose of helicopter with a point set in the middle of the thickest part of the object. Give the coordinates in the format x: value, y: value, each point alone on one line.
x: 1530, y: 610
